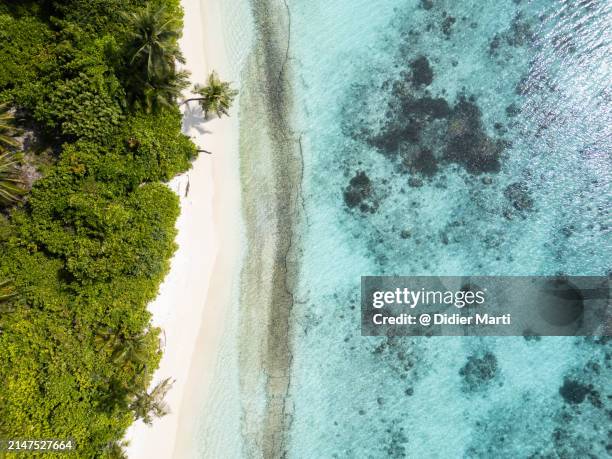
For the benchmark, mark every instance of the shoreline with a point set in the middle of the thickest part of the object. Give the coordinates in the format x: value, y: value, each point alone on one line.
x: 271, y: 170
x: 195, y: 300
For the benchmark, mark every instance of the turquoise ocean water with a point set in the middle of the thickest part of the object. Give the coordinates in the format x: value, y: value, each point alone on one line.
x: 448, y: 138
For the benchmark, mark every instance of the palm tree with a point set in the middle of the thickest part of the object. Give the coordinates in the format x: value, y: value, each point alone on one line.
x: 163, y: 93
x: 131, y: 350
x: 154, y: 45
x: 124, y: 350
x: 115, y: 450
x: 154, y: 82
x: 149, y: 405
x: 7, y: 128
x: 9, y: 182
x: 217, y: 96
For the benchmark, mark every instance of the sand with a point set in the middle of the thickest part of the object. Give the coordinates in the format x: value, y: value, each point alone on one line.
x: 195, y: 306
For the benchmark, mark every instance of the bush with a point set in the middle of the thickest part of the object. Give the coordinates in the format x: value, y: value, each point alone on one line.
x: 97, y: 16
x: 24, y: 44
x: 86, y: 102
x: 157, y: 145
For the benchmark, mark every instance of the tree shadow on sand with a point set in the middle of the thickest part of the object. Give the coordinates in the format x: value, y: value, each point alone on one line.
x: 193, y: 118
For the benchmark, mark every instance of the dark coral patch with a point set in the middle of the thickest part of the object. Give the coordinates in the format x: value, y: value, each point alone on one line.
x: 427, y: 4
x: 573, y: 392
x: 408, y: 121
x: 427, y: 107
x: 426, y: 131
x: 424, y: 163
x: 447, y: 25
x: 479, y: 370
x: 395, y: 134
x: 422, y: 73
x: 359, y: 193
x: 468, y: 144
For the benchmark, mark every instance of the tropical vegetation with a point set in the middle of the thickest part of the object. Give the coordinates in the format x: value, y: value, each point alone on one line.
x: 9, y: 181
x: 151, y: 404
x: 153, y: 52
x: 86, y: 240
x: 217, y: 96
x: 7, y: 127
x: 7, y: 291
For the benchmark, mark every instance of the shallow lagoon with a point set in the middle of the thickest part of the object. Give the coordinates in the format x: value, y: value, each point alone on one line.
x: 448, y: 138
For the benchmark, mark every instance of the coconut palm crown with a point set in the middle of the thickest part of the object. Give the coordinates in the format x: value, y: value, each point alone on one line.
x: 146, y: 405
x: 217, y: 96
x: 163, y: 93
x: 154, y: 46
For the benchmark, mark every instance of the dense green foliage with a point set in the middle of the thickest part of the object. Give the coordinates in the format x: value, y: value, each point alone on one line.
x: 86, y: 248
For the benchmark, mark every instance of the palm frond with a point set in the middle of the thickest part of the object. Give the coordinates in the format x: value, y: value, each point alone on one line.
x: 146, y: 406
x: 154, y: 41
x: 217, y: 96
x: 10, y: 188
x: 164, y: 93
x: 7, y: 126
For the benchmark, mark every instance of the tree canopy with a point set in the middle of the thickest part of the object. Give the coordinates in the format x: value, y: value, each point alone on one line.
x: 85, y: 249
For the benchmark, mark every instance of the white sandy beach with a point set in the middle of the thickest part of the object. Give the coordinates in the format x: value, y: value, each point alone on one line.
x: 194, y: 306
